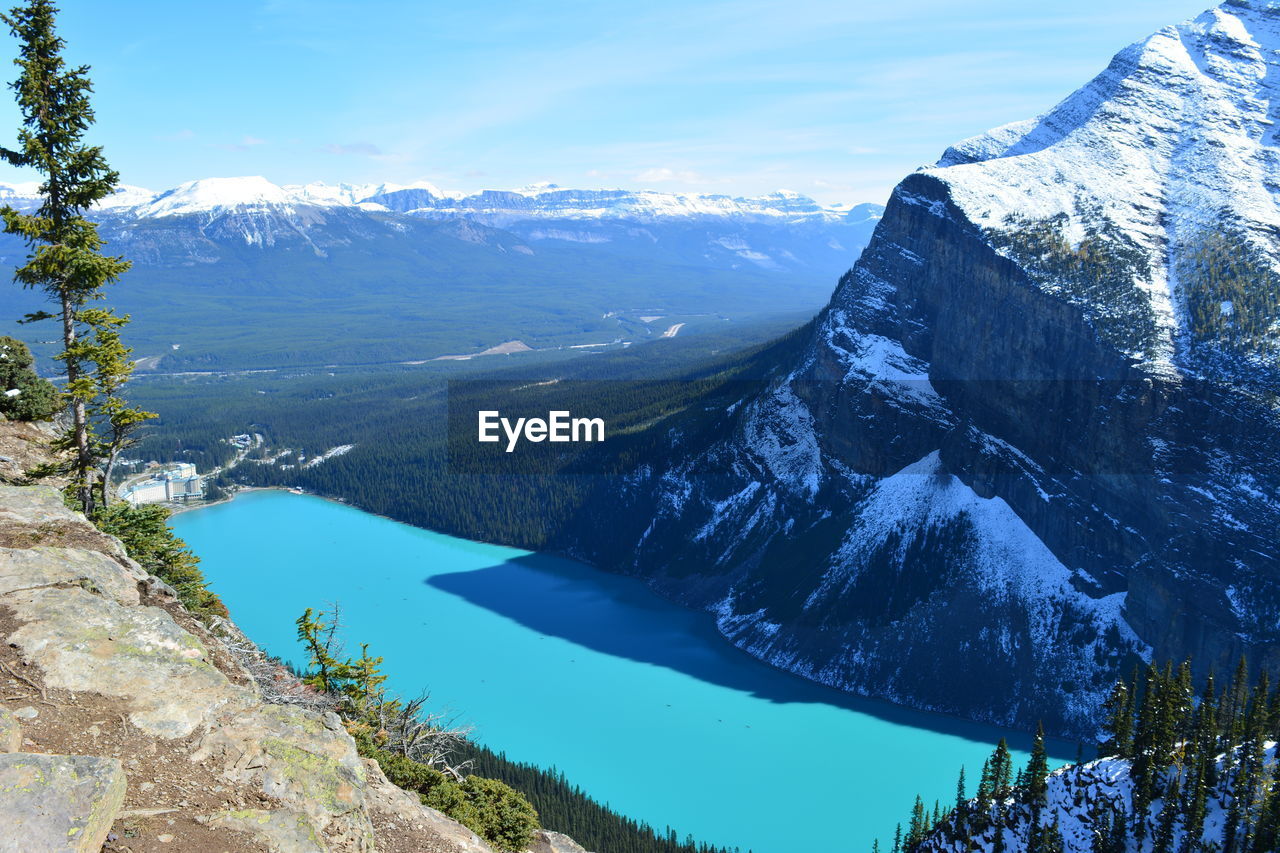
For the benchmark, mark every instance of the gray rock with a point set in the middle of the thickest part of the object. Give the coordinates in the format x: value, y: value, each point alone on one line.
x: 36, y: 515
x: 545, y: 841
x: 10, y: 732
x: 155, y: 586
x: 28, y: 568
x: 291, y: 755
x: 281, y: 830
x: 57, y: 803
x: 87, y: 643
x: 26, y: 713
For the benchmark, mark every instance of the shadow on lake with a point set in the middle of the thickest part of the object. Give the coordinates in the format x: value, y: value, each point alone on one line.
x: 620, y: 617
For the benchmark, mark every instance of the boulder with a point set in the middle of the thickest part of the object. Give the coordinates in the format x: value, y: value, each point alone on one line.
x: 29, y: 568
x: 57, y: 803
x: 546, y: 841
x: 304, y: 760
x: 85, y: 642
x: 281, y: 830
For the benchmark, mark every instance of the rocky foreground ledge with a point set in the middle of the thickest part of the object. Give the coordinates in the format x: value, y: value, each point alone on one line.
x: 127, y: 725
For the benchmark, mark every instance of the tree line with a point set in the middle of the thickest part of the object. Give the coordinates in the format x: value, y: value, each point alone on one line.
x: 1187, y: 754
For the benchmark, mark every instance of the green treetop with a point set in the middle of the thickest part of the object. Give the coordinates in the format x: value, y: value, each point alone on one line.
x: 66, y: 259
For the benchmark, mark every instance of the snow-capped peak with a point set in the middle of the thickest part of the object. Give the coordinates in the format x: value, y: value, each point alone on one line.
x: 1177, y: 136
x: 213, y: 195
x: 126, y: 195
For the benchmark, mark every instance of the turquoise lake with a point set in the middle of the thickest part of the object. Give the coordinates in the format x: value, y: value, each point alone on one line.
x: 637, y: 700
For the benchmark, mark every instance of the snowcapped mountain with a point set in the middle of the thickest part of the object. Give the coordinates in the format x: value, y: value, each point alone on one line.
x: 552, y: 267
x: 779, y: 232
x: 1033, y: 435
x: 549, y: 201
x: 213, y: 196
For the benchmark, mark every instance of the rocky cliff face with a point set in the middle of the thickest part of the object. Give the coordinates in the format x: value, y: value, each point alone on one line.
x: 126, y: 721
x: 1034, y: 434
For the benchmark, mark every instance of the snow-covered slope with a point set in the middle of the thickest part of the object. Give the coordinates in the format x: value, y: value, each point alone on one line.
x: 1034, y: 433
x: 1175, y: 138
x: 212, y: 196
x: 1083, y: 800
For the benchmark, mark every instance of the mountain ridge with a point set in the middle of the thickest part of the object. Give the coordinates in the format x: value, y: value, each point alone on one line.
x: 1011, y: 357
x: 216, y: 195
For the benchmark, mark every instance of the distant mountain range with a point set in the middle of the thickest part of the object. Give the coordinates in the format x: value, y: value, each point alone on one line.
x: 319, y: 273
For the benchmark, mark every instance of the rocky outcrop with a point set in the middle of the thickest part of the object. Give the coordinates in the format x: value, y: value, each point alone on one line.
x: 57, y: 803
x: 555, y: 842
x: 125, y: 720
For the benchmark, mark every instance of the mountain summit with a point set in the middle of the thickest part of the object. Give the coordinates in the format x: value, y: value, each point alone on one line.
x: 1032, y: 437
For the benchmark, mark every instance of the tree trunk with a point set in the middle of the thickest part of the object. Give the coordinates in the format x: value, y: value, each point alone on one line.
x: 79, y: 419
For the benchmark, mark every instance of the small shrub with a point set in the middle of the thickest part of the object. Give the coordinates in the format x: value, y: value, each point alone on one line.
x: 148, y: 539
x: 491, y: 809
x: 36, y: 399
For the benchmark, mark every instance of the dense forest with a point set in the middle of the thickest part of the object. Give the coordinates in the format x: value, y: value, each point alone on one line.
x: 1181, y: 771
x: 414, y: 457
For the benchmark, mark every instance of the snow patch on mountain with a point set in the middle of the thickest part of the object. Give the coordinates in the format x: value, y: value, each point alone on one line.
x: 1176, y: 136
x: 1077, y: 795
x: 215, y: 195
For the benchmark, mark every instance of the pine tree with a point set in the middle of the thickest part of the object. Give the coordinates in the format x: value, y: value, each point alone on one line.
x: 113, y: 420
x: 1001, y: 769
x: 1037, y: 774
x: 365, y: 687
x: 24, y: 396
x: 1118, y: 723
x: 1163, y: 840
x: 984, y: 788
x: 327, y: 673
x: 1053, y: 842
x: 917, y: 827
x: 1197, y: 811
x: 66, y: 260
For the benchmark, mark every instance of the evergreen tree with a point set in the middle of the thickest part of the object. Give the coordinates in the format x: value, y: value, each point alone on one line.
x: 1197, y: 811
x: 365, y: 687
x: 1118, y: 723
x: 1001, y: 769
x: 326, y: 672
x: 1037, y: 774
x: 1163, y: 840
x: 985, y: 790
x: 916, y: 829
x: 1053, y: 842
x: 66, y: 260
x: 24, y: 396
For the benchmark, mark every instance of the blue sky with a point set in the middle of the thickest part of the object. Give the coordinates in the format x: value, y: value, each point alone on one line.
x: 837, y: 99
